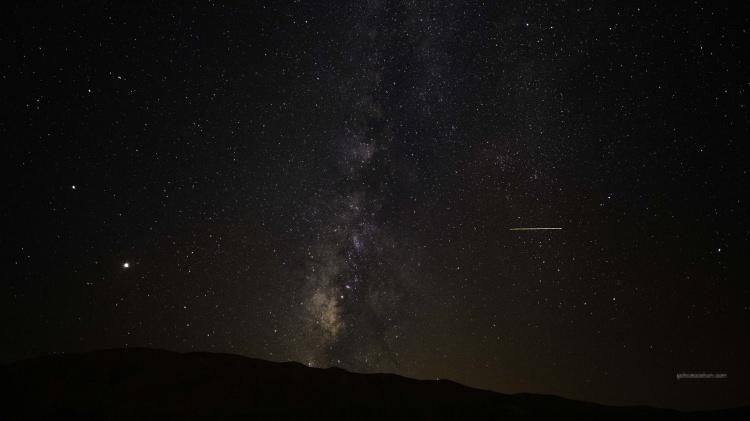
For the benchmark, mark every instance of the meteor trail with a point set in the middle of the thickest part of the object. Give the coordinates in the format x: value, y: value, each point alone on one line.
x: 535, y: 228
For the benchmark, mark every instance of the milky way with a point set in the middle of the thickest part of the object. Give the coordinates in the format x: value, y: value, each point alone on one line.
x: 352, y: 287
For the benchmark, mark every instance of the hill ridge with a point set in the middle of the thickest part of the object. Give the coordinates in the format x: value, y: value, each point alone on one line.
x: 147, y: 383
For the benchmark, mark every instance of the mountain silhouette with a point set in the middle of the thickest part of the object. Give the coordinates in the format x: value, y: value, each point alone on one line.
x: 137, y: 383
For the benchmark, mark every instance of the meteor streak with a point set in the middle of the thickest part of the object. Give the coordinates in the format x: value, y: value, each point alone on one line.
x: 535, y: 228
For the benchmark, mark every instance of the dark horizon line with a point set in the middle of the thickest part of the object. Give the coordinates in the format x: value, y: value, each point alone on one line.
x: 375, y: 373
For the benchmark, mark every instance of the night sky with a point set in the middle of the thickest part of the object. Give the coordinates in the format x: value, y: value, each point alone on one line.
x: 338, y: 184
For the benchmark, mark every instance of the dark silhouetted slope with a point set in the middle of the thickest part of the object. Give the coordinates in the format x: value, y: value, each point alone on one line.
x: 145, y: 383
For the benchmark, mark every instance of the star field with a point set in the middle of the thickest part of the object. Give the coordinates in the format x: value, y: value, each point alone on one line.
x: 343, y: 185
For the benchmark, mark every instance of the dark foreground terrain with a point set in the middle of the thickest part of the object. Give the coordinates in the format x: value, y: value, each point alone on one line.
x: 153, y: 384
